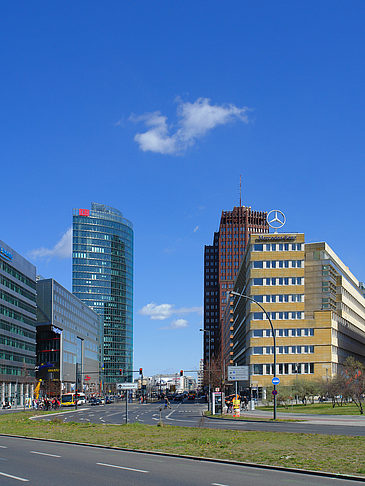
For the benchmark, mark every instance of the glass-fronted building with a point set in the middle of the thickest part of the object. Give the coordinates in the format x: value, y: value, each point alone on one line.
x: 102, y: 278
x: 17, y: 327
x: 69, y: 340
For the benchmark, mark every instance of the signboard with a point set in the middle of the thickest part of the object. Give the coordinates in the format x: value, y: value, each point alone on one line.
x: 84, y: 212
x: 275, y: 380
x: 238, y: 373
x: 127, y: 386
x: 274, y: 392
x: 5, y: 253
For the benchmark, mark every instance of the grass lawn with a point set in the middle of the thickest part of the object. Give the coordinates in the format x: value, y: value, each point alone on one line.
x: 245, y: 417
x: 320, y: 408
x: 338, y: 454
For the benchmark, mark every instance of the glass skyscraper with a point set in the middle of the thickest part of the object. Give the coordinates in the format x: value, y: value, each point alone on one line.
x: 102, y: 278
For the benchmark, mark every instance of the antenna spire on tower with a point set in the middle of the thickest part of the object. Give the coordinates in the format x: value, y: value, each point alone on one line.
x: 240, y: 190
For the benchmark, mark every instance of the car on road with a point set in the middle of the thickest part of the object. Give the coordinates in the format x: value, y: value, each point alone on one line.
x: 94, y: 401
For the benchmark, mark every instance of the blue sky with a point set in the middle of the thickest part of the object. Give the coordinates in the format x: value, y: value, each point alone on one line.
x: 156, y: 108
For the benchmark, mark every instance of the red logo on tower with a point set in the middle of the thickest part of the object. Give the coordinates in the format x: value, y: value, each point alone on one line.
x: 84, y: 212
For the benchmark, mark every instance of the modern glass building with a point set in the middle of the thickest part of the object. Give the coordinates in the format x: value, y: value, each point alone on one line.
x: 69, y: 339
x: 102, y: 278
x: 17, y: 327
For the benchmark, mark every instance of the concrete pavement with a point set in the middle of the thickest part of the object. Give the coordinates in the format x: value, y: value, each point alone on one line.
x: 45, y: 463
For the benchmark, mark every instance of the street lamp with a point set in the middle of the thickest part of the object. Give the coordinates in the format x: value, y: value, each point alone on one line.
x: 273, y: 335
x: 208, y: 332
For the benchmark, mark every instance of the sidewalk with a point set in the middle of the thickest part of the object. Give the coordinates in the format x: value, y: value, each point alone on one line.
x: 355, y: 420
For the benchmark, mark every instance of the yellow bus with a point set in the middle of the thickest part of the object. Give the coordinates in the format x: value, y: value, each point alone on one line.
x: 68, y: 399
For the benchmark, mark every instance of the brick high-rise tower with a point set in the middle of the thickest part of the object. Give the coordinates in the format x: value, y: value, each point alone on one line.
x: 222, y: 260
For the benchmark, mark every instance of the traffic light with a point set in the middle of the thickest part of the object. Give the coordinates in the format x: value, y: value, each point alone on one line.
x: 121, y: 371
x: 140, y: 371
x: 181, y: 372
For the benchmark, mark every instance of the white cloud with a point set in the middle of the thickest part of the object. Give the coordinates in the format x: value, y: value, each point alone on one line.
x: 179, y: 324
x: 157, y: 312
x: 62, y: 249
x: 164, y: 311
x: 194, y: 121
x: 196, y: 229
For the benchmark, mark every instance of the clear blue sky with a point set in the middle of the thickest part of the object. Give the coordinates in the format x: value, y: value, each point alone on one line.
x: 156, y: 108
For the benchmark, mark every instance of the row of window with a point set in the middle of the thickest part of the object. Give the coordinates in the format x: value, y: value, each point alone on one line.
x: 259, y: 316
x: 17, y: 302
x: 17, y: 357
x: 17, y: 288
x: 278, y: 298
x: 279, y: 264
x: 12, y: 370
x: 16, y: 343
x: 296, y: 332
x: 18, y: 275
x: 283, y: 349
x: 284, y: 369
x: 15, y: 329
x: 5, y: 311
x: 278, y: 281
x: 278, y: 247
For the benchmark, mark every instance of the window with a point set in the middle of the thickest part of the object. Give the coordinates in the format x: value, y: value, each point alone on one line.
x: 258, y: 316
x: 257, y: 369
x: 257, y: 350
x: 257, y: 248
x: 257, y: 333
x: 258, y: 298
x: 257, y: 281
x: 257, y: 264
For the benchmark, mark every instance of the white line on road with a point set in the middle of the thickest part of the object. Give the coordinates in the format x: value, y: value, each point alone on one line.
x: 43, y: 454
x: 13, y: 477
x: 121, y: 467
x: 3, y: 447
x: 219, y: 484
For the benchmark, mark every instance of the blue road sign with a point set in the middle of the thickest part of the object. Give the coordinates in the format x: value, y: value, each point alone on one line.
x: 275, y: 380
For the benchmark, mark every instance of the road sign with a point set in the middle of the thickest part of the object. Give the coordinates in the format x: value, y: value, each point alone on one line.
x: 237, y: 373
x: 127, y: 386
x: 274, y: 392
x: 275, y: 380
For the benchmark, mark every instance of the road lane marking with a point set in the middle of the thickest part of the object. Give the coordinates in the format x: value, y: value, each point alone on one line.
x: 13, y: 477
x: 3, y: 447
x: 219, y: 484
x: 43, y: 454
x: 122, y: 467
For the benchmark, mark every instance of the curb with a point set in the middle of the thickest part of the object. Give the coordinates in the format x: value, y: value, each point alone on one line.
x: 35, y: 417
x: 249, y: 420
x: 309, y: 472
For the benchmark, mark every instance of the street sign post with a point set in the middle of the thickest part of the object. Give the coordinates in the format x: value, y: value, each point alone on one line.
x: 127, y: 386
x: 237, y: 373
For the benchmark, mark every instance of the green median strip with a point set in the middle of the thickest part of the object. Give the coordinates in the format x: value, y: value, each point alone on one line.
x: 317, y: 408
x: 250, y: 418
x: 332, y: 453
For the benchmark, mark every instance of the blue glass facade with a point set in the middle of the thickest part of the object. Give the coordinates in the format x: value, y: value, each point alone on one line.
x: 102, y: 278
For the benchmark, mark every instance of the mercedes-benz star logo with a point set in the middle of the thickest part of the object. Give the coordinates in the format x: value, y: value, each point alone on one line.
x: 276, y: 219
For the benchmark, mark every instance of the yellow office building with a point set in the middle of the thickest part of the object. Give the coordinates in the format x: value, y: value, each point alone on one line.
x: 315, y: 303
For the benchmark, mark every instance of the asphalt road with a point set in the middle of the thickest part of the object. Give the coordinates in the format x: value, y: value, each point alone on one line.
x: 189, y: 414
x: 45, y: 463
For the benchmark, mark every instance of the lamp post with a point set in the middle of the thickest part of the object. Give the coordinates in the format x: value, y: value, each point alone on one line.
x: 273, y: 334
x: 208, y: 332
